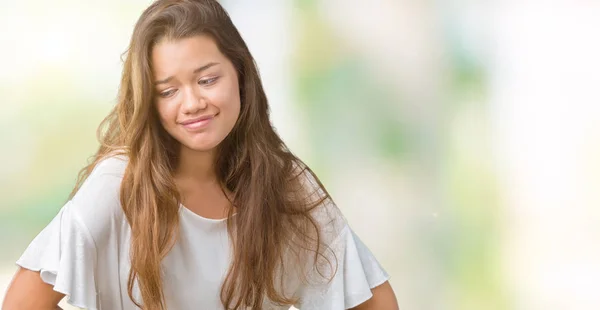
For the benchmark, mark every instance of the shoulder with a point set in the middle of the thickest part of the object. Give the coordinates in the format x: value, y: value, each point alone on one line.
x: 102, y: 184
x: 97, y: 201
x: 323, y: 209
x: 114, y: 164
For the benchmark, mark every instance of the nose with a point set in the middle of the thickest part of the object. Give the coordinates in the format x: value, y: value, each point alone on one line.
x: 193, y: 102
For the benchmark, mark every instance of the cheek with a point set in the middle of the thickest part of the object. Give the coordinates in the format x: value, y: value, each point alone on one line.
x: 232, y: 104
x: 232, y: 109
x: 166, y: 113
x: 229, y: 100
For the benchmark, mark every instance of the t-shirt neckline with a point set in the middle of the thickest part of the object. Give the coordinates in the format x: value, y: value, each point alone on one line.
x: 200, y: 217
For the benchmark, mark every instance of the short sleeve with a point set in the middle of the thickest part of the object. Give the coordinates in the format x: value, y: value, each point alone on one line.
x: 350, y: 265
x: 65, y: 255
x: 356, y: 273
x: 66, y: 251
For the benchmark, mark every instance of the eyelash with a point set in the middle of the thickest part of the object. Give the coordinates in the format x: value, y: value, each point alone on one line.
x: 208, y: 81
x: 205, y: 82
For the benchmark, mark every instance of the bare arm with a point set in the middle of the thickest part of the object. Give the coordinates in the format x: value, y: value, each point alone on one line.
x: 27, y: 291
x: 383, y: 299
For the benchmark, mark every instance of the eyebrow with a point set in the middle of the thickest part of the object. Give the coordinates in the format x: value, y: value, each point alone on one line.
x: 208, y: 65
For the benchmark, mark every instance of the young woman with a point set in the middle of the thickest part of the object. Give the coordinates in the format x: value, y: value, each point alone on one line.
x: 192, y: 200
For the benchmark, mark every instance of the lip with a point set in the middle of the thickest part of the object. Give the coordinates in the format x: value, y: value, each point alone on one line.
x: 198, y: 122
x: 197, y: 119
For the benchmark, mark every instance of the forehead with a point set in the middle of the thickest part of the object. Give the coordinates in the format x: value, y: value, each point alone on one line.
x: 172, y: 56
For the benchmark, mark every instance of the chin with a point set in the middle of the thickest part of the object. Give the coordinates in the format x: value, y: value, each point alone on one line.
x: 203, y: 142
x: 198, y: 147
x: 203, y: 146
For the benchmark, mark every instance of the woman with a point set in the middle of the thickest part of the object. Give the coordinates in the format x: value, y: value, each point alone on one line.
x: 192, y: 200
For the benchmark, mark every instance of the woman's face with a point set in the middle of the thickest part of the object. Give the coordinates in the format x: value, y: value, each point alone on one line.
x: 196, y: 90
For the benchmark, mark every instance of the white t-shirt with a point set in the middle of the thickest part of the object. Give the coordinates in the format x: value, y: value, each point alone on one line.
x: 84, y: 253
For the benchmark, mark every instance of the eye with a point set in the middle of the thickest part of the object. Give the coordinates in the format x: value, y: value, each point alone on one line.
x: 168, y: 93
x: 208, y: 81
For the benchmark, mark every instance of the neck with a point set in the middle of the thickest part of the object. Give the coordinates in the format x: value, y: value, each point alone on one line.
x: 196, y: 166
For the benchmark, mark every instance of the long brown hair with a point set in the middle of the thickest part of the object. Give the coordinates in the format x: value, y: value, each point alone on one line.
x: 273, y: 204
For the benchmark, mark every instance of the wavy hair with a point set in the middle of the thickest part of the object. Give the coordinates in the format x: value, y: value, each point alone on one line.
x: 273, y: 204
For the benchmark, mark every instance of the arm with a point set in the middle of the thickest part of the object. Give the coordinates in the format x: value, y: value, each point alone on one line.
x: 27, y: 291
x: 66, y: 247
x: 383, y: 299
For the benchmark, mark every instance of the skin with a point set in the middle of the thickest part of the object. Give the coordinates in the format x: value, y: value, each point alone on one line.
x: 193, y: 79
x: 25, y: 284
x: 383, y: 299
x: 183, y: 92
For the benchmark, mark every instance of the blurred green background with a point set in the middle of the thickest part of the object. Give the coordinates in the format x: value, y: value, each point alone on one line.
x: 459, y: 138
